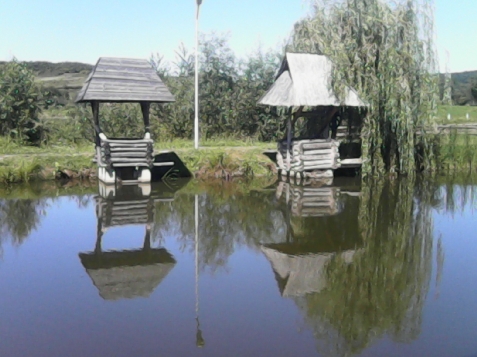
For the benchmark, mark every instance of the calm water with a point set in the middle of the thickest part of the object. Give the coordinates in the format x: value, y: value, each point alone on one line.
x: 341, y: 270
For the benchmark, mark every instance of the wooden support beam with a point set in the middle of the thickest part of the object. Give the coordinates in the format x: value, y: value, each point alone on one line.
x: 97, y: 128
x: 289, y: 137
x: 145, y: 108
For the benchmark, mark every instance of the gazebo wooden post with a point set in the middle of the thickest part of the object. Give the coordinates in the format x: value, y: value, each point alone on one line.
x: 147, y: 238
x: 97, y: 128
x: 145, y: 108
x: 290, y: 130
x: 99, y: 237
x: 289, y: 137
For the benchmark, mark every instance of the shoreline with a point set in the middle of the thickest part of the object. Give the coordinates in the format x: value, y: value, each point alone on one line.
x: 207, y: 163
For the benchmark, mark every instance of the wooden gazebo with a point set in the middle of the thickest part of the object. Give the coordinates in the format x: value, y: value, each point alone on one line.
x: 120, y: 80
x: 304, y: 84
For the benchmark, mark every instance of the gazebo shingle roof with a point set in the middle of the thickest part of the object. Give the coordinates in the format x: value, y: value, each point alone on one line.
x: 124, y: 80
x: 305, y: 80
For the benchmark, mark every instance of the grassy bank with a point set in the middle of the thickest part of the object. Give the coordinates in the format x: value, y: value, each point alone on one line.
x: 216, y: 159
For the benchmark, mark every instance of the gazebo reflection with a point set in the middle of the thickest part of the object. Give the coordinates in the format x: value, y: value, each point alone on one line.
x: 320, y: 228
x: 127, y: 274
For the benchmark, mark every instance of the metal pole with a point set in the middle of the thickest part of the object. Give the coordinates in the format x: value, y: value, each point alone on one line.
x: 196, y: 118
x: 196, y: 211
x: 199, y: 340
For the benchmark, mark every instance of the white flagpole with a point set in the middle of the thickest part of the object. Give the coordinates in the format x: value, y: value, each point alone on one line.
x: 196, y: 118
x: 196, y: 211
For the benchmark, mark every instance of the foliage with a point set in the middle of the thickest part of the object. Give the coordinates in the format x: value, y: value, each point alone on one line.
x: 19, y: 103
x: 229, y: 90
x: 26, y: 169
x: 473, y: 89
x: 463, y: 88
x: 384, y: 50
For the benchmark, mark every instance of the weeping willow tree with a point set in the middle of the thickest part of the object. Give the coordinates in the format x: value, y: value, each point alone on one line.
x: 383, y: 49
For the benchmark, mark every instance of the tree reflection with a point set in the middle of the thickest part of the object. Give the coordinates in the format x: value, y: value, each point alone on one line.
x: 22, y: 207
x: 228, y: 218
x: 382, y: 287
x: 18, y: 218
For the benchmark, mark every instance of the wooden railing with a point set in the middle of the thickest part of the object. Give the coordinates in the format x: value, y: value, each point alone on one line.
x: 125, y: 152
x: 309, y: 155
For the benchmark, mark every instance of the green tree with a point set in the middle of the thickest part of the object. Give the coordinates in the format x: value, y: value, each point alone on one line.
x: 228, y: 92
x: 20, y: 99
x: 384, y: 50
x: 473, y: 89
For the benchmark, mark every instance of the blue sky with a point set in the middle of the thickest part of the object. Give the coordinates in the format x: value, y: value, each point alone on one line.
x: 83, y: 31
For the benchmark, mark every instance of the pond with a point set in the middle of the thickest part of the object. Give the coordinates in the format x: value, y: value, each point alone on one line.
x: 339, y: 269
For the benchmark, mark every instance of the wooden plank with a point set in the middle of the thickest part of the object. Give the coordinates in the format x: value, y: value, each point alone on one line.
x: 127, y: 97
x: 166, y: 163
x: 317, y: 204
x: 317, y: 162
x: 121, y: 59
x: 324, y: 200
x: 127, y: 164
x: 134, y: 68
x: 128, y: 202
x: 319, y: 152
x: 127, y: 159
x: 130, y: 155
x: 120, y: 84
x: 129, y: 149
x: 113, y: 76
x: 147, y: 95
x: 138, y: 205
x: 127, y: 81
x: 317, y: 157
x: 349, y: 163
x: 125, y: 63
x: 128, y: 141
x: 321, y: 167
x: 317, y: 146
x: 117, y: 87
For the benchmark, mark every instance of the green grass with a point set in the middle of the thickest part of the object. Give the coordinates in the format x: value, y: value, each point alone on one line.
x: 215, y: 159
x: 45, y: 167
x: 458, y: 114
x: 178, y: 144
x: 227, y: 162
x: 10, y: 147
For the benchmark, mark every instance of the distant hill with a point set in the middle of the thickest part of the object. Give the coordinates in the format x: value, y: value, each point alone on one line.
x: 61, y: 81
x: 462, y: 88
x: 49, y: 69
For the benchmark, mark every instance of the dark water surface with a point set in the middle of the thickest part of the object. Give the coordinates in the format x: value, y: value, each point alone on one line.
x: 383, y: 270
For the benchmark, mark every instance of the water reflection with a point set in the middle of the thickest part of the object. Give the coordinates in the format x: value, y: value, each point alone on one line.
x: 356, y: 277
x: 22, y: 207
x: 355, y: 261
x: 128, y: 273
x: 321, y: 225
